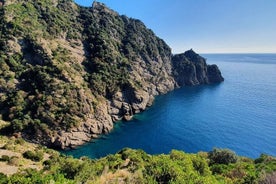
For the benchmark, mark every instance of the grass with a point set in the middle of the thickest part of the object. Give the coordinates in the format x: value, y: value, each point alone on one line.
x: 11, y: 154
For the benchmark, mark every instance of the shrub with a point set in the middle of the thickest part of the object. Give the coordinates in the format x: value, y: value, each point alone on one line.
x: 47, y: 163
x: 14, y: 160
x: 219, y: 168
x: 3, y: 178
x: 5, y: 158
x: 8, y: 146
x: 264, y: 159
x: 271, y: 178
x: 19, y: 141
x: 70, y: 168
x: 265, y: 163
x: 36, y: 157
x: 222, y: 156
x: 162, y: 169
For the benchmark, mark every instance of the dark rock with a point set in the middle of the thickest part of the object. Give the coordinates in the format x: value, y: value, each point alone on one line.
x: 214, y: 74
x: 190, y: 68
x: 73, y: 93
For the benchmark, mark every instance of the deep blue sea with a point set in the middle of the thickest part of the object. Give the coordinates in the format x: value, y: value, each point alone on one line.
x: 239, y: 114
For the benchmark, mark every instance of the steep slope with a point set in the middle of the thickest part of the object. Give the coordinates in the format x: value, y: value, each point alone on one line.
x: 25, y: 163
x: 69, y: 72
x: 190, y: 68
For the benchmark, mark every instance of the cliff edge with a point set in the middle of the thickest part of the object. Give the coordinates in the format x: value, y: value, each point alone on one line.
x: 189, y: 68
x: 69, y: 72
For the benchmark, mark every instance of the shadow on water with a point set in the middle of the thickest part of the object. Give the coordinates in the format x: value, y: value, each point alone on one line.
x: 144, y: 127
x: 237, y: 114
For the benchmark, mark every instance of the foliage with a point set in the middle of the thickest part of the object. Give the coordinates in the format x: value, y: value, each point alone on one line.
x: 136, y: 166
x: 222, y: 156
x: 35, y: 16
x: 14, y: 161
x: 33, y: 176
x: 5, y: 158
x: 46, y: 84
x: 34, y: 156
x: 269, y: 178
x: 265, y: 164
x: 3, y: 179
x: 44, y: 90
x: 30, y: 74
x: 179, y: 167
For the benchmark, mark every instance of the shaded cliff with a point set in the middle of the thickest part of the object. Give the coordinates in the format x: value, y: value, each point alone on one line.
x: 69, y: 72
x: 190, y: 68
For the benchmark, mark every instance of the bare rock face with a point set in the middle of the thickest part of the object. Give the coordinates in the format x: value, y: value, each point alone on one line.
x: 127, y: 103
x: 70, y: 74
x: 190, y: 68
x: 101, y: 123
x: 214, y: 74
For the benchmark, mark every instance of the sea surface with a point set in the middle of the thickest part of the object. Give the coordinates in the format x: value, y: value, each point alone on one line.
x: 239, y: 114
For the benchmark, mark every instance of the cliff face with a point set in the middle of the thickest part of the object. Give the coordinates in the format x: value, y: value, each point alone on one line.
x: 69, y: 72
x: 190, y: 68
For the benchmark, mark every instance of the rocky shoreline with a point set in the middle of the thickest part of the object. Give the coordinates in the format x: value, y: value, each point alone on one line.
x: 188, y: 69
x: 74, y: 71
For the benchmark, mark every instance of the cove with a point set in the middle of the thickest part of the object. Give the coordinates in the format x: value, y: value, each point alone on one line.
x: 239, y: 114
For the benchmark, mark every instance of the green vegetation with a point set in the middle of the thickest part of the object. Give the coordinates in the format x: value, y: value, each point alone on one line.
x: 5, y: 158
x: 37, y: 164
x: 40, y: 18
x: 58, y: 64
x: 222, y: 156
x: 34, y: 156
x: 30, y: 75
x: 46, y: 84
x: 136, y: 166
x: 62, y: 65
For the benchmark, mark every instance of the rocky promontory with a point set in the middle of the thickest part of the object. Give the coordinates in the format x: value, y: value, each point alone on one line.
x: 190, y: 68
x: 68, y: 73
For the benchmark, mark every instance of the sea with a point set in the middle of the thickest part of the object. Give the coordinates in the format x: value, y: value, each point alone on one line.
x: 238, y: 114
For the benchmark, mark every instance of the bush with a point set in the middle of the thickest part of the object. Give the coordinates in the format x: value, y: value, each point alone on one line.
x: 36, y: 157
x: 271, y: 178
x: 4, y: 158
x: 47, y: 163
x: 8, y: 147
x: 264, y: 159
x: 222, y: 156
x: 266, y: 163
x: 19, y: 141
x: 219, y: 168
x: 14, y: 160
x: 70, y: 168
x: 3, y: 178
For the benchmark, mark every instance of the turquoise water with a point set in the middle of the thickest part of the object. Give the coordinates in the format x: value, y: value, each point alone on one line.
x: 239, y: 114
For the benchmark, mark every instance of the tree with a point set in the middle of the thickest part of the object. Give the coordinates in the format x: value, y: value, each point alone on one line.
x: 222, y: 156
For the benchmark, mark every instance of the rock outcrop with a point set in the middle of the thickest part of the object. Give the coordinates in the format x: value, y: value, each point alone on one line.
x: 70, y: 72
x: 190, y: 68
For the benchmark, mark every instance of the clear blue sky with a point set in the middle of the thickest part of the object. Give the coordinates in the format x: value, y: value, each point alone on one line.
x: 207, y: 26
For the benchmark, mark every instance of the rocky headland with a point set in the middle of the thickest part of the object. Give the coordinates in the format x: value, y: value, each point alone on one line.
x: 68, y: 73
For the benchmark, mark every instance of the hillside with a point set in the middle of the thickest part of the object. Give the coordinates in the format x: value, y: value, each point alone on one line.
x: 25, y: 163
x: 69, y: 72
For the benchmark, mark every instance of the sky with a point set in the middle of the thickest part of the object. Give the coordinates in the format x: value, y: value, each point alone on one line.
x: 207, y: 26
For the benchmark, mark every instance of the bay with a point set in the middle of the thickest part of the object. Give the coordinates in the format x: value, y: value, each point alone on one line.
x: 239, y: 114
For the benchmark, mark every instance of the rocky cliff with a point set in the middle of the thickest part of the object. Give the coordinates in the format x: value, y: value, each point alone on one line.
x: 190, y: 68
x: 69, y: 72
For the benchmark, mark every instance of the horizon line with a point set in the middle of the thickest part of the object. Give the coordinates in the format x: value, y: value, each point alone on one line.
x: 237, y: 52
x: 174, y: 53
